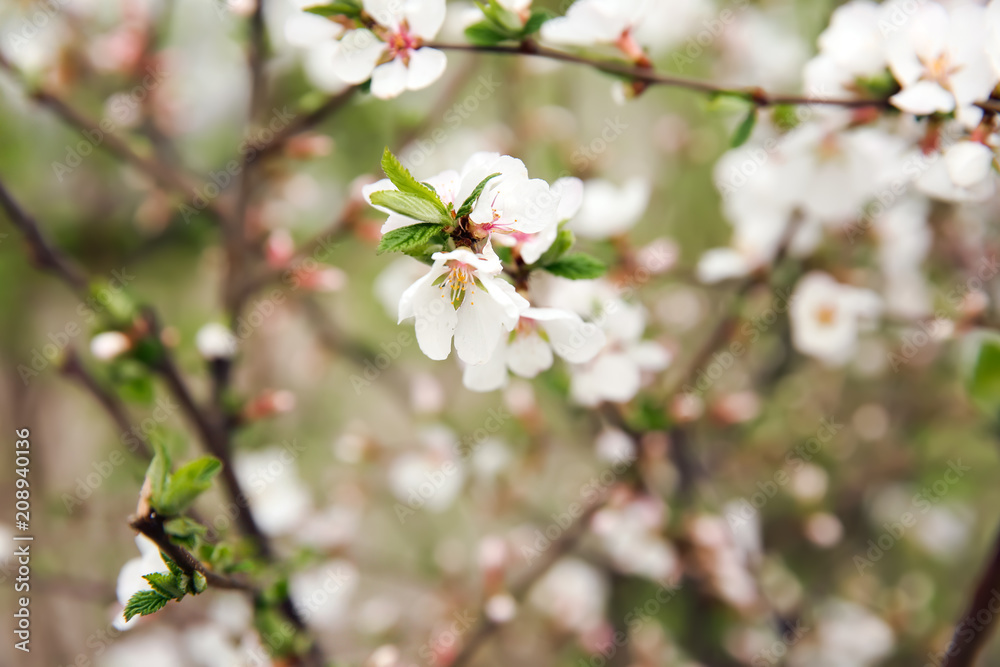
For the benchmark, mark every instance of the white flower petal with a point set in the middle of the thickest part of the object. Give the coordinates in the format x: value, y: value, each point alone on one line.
x: 425, y: 17
x: 426, y: 66
x: 389, y: 79
x: 357, y: 56
x: 924, y: 97
x: 489, y: 376
x: 572, y: 339
x: 528, y: 355
x: 969, y: 163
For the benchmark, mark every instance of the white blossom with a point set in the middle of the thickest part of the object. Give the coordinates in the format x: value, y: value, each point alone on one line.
x: 827, y: 317
x: 462, y: 297
x: 391, y: 53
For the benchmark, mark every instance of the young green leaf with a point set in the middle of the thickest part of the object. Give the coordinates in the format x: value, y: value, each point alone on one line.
x: 535, y: 21
x: 198, y: 583
x: 345, y: 8
x: 158, y: 471
x: 144, y: 603
x: 562, y: 244
x: 502, y: 17
x: 408, y: 185
x: 190, y: 481
x: 467, y: 206
x: 408, y: 239
x: 983, y: 377
x: 165, y: 584
x: 485, y: 33
x: 411, y: 206
x: 577, y: 266
x: 745, y: 129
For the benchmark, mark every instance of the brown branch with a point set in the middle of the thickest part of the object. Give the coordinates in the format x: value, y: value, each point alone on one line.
x: 963, y: 650
x: 652, y: 77
x: 302, y: 124
x: 157, y: 172
x: 45, y: 256
x: 151, y: 526
x: 486, y: 628
x: 73, y: 367
x: 214, y: 434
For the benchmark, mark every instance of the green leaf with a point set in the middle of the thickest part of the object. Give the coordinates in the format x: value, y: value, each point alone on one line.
x: 505, y: 254
x: 165, y: 584
x: 346, y: 8
x: 199, y: 582
x: 144, y: 603
x: 158, y: 471
x: 983, y: 379
x: 535, y: 21
x: 745, y: 129
x: 183, y: 526
x: 409, y: 239
x: 408, y: 185
x: 466, y: 207
x: 411, y: 206
x: 190, y: 481
x: 485, y: 33
x: 133, y: 381
x: 577, y: 266
x: 502, y: 17
x: 174, y: 568
x: 562, y: 244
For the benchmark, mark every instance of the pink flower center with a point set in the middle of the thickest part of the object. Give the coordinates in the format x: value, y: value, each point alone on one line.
x: 401, y: 42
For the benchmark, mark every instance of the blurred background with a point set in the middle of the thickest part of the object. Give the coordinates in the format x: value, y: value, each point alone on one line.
x: 767, y: 531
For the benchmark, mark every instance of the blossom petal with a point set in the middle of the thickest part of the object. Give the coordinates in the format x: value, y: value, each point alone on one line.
x: 425, y: 17
x: 426, y: 66
x: 924, y: 97
x: 969, y: 163
x: 489, y: 376
x: 528, y: 355
x: 572, y: 339
x: 389, y: 79
x: 357, y: 56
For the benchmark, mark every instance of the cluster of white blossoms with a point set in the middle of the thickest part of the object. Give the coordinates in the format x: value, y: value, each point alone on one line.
x: 492, y: 208
x: 832, y: 174
x: 386, y: 40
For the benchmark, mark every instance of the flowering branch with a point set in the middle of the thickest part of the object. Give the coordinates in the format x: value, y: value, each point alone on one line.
x: 649, y: 76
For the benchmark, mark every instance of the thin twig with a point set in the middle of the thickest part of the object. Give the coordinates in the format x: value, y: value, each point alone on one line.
x: 486, y: 628
x: 73, y: 367
x: 156, y: 171
x: 45, y: 256
x: 971, y: 633
x: 151, y: 526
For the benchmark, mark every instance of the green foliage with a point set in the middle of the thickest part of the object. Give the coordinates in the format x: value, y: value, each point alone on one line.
x: 485, y: 33
x: 349, y: 8
x: 744, y: 129
x: 404, y: 181
x: 983, y: 377
x: 411, y: 206
x: 502, y: 25
x: 132, y: 380
x: 144, y: 603
x: 470, y: 202
x: 165, y: 586
x: 880, y: 86
x: 577, y: 266
x: 171, y: 494
x: 562, y: 244
x: 409, y: 239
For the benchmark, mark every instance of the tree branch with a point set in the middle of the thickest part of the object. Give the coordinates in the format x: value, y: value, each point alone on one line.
x: 963, y: 650
x: 45, y: 256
